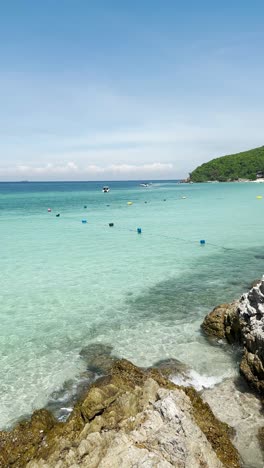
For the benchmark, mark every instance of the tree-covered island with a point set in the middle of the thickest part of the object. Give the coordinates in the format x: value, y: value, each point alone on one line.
x: 248, y: 165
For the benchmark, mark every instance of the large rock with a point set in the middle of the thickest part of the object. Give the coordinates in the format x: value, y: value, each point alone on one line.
x: 242, y: 322
x: 214, y: 323
x: 132, y: 418
x: 235, y: 404
x: 20, y: 445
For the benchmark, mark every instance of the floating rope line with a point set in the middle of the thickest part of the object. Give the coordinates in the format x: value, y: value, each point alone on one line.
x: 174, y: 238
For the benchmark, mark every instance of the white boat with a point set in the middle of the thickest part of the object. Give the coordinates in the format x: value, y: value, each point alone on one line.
x: 105, y: 189
x: 144, y: 185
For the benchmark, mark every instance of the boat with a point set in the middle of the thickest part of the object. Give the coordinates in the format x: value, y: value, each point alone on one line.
x: 105, y: 189
x: 144, y: 185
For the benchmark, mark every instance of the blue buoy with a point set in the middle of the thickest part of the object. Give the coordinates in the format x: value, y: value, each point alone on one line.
x: 84, y: 221
x: 139, y: 230
x: 202, y: 242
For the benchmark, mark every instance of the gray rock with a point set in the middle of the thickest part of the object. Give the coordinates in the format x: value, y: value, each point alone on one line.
x: 234, y: 404
x: 242, y: 322
x: 162, y: 434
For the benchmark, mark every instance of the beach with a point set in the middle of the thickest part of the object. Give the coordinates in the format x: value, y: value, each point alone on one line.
x: 68, y: 284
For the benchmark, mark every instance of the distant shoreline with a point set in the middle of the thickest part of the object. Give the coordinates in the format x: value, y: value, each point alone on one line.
x: 261, y: 180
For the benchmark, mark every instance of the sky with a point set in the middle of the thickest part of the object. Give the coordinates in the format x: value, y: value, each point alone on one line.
x: 109, y: 90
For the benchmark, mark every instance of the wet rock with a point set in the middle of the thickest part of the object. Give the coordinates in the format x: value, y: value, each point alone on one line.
x: 217, y: 432
x: 131, y: 418
x: 99, y: 358
x: 251, y: 367
x: 234, y: 403
x: 223, y: 322
x: 99, y: 361
x: 21, y: 444
x: 214, y: 322
x: 251, y: 316
x: 254, y: 283
x: 169, y: 367
x: 261, y: 438
x: 232, y: 325
x: 242, y: 322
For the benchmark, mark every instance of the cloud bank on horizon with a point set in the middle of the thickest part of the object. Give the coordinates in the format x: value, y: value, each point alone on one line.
x: 139, y: 91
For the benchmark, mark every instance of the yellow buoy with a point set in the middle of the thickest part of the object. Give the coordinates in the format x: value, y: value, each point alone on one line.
x: 259, y: 197
x: 130, y: 203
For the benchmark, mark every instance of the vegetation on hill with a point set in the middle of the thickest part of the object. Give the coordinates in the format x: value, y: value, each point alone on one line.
x: 246, y: 165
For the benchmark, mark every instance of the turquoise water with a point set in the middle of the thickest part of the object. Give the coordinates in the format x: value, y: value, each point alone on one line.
x: 66, y: 285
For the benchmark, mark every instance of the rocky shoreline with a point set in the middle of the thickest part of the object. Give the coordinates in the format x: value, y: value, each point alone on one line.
x: 242, y: 322
x: 134, y: 417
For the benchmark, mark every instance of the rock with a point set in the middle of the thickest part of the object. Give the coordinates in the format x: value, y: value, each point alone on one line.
x: 99, y: 399
x: 251, y: 316
x: 214, y: 323
x: 159, y: 438
x: 261, y: 438
x: 169, y: 367
x: 251, y: 367
x: 242, y: 322
x: 222, y: 322
x: 232, y: 324
x: 254, y: 283
x: 235, y: 404
x: 217, y: 432
x: 20, y: 445
x: 132, y: 418
x: 99, y: 358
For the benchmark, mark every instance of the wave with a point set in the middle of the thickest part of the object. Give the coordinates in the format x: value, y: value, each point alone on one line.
x: 196, y: 380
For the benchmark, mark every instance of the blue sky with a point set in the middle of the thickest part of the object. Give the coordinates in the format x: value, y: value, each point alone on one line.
x: 126, y: 90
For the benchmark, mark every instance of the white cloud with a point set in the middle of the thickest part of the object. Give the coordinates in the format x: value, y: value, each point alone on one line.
x: 49, y: 168
x: 133, y: 169
x: 70, y: 170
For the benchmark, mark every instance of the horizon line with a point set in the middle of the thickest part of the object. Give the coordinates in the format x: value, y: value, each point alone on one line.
x: 78, y: 181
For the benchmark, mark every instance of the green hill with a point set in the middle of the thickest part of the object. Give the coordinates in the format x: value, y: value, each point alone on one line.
x: 244, y: 165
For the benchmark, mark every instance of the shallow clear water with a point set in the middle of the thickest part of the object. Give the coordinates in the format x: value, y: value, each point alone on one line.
x: 65, y: 285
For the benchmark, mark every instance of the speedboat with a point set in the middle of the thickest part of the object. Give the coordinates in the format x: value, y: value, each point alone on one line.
x: 144, y: 185
x: 105, y: 189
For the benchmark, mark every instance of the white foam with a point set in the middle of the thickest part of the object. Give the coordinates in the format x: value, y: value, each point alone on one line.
x: 67, y: 410
x: 196, y: 380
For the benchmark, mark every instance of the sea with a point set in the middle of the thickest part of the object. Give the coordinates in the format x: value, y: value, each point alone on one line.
x: 72, y: 281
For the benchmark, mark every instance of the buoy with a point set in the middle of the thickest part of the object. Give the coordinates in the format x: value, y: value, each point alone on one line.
x: 84, y: 221
x: 139, y: 230
x: 202, y: 242
x: 130, y: 203
x: 111, y: 224
x: 259, y: 197
x: 58, y: 215
x: 49, y: 210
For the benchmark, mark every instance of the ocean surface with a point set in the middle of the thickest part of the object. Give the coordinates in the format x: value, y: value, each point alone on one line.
x: 66, y: 285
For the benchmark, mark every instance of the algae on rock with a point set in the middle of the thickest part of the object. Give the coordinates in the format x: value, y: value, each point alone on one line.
x: 130, y: 418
